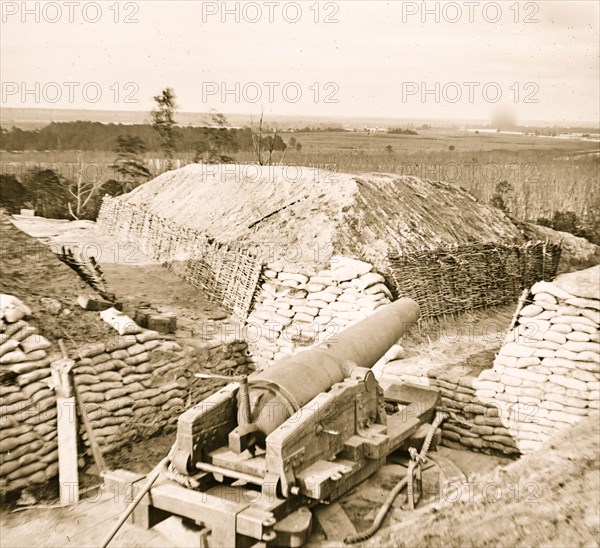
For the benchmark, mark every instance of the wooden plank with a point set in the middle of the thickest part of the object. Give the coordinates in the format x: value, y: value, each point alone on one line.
x: 217, y: 514
x: 415, y: 400
x: 318, y: 433
x: 334, y: 521
x: 205, y: 426
x: 226, y: 458
x: 122, y: 484
x: 312, y: 483
x: 68, y: 472
x: 401, y: 428
x: 88, y: 302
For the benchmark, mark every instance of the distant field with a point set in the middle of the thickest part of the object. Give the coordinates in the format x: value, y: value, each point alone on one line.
x: 546, y: 174
x: 433, y: 140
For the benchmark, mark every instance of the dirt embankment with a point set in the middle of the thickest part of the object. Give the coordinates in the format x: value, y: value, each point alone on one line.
x: 577, y: 253
x: 547, y: 498
x: 132, y: 276
x: 30, y: 271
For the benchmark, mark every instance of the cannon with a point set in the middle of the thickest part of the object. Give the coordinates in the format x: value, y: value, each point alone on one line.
x: 251, y: 460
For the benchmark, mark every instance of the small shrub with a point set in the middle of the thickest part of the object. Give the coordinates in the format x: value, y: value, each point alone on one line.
x: 13, y: 195
x: 48, y: 192
x: 501, y: 196
x: 568, y: 221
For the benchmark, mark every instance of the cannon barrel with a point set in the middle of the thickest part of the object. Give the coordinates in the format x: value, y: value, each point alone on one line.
x: 283, y: 388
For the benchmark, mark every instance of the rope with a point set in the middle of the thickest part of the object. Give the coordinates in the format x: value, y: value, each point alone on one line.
x: 181, y: 479
x: 361, y: 537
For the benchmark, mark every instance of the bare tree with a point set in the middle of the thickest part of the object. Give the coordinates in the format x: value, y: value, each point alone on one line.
x: 266, y: 144
x: 257, y: 138
x: 83, y: 190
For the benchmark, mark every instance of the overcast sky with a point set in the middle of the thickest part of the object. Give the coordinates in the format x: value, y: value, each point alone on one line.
x: 369, y: 59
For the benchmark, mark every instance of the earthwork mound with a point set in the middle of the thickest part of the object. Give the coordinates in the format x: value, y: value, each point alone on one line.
x: 366, y: 216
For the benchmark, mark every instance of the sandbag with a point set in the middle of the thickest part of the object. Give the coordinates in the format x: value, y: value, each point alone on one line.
x: 531, y: 310
x: 584, y: 303
x: 544, y: 297
x: 8, y: 346
x: 35, y: 342
x: 33, y: 376
x: 14, y: 356
x: 29, y: 366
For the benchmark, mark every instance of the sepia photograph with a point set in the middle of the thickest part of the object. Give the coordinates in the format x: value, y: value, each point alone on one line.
x: 310, y: 273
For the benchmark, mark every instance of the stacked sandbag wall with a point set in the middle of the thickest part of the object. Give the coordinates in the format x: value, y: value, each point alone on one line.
x: 472, y: 423
x: 297, y: 307
x: 131, y: 385
x: 549, y: 369
x: 545, y: 377
x: 138, y: 384
x: 28, y: 444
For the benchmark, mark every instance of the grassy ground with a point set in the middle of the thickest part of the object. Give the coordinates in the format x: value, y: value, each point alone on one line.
x: 546, y: 174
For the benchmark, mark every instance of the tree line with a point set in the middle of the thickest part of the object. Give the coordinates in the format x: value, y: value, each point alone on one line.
x: 52, y: 195
x: 95, y: 136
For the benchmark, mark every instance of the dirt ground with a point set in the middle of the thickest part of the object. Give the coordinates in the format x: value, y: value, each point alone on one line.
x: 136, y: 280
x: 31, y: 272
x: 133, y: 277
x: 86, y: 523
x: 547, y: 498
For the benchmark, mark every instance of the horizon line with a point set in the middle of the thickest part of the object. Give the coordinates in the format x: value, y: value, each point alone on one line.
x: 586, y: 123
